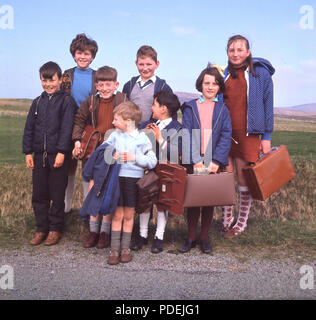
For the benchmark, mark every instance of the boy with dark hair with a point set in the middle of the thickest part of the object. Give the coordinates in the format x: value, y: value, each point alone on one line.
x: 168, y: 147
x: 47, y: 134
x: 80, y: 83
x: 97, y: 110
x: 141, y: 89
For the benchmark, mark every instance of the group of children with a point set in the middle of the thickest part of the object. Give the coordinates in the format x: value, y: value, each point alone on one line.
x: 82, y: 96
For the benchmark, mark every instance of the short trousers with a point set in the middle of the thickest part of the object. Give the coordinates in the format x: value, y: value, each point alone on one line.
x: 128, y: 192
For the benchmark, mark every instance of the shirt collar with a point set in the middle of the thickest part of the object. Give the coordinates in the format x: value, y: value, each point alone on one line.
x: 201, y: 99
x: 134, y: 133
x: 153, y: 79
x: 163, y: 123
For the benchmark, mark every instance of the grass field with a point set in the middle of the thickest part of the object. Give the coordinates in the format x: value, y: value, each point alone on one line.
x: 287, y: 220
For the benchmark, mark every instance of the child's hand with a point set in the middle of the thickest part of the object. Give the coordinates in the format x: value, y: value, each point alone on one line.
x: 199, y: 167
x: 77, y: 150
x: 29, y: 161
x: 265, y: 146
x: 156, y: 131
x: 213, y: 167
x: 91, y: 183
x: 59, y: 160
x: 116, y: 155
x: 127, y: 156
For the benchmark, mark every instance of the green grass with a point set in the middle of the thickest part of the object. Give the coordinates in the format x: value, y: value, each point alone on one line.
x: 11, y: 132
x: 298, y: 143
x: 286, y: 221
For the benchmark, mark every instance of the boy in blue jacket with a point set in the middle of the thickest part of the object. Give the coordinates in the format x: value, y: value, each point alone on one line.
x: 141, y: 89
x: 168, y: 147
x: 47, y: 134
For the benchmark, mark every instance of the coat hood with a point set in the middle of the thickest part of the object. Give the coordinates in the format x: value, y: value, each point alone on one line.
x: 263, y: 63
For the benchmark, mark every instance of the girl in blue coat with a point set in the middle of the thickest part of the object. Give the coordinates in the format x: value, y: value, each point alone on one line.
x: 208, y: 127
x: 249, y: 98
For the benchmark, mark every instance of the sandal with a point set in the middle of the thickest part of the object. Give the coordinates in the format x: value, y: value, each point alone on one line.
x: 232, y: 233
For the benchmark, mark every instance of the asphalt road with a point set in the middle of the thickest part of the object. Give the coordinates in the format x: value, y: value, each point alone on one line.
x: 69, y: 272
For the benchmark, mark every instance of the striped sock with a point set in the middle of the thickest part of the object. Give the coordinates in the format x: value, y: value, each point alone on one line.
x: 245, y: 201
x: 227, y: 216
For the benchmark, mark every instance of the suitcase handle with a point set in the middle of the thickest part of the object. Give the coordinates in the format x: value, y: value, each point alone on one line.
x: 261, y: 155
x: 170, y: 180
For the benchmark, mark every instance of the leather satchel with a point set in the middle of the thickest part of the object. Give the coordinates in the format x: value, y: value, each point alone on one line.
x: 148, y: 189
x: 172, y: 181
x: 90, y: 140
x: 269, y: 173
x: 203, y: 190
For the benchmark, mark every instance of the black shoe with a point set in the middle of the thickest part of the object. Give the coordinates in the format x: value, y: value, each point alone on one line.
x: 139, y: 243
x: 205, y: 246
x: 157, y: 246
x: 187, y: 246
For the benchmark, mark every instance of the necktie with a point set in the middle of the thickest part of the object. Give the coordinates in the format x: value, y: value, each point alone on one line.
x: 145, y: 84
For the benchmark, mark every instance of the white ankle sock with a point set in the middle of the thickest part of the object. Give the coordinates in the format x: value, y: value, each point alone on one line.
x: 162, y: 218
x: 244, y: 205
x: 143, y: 224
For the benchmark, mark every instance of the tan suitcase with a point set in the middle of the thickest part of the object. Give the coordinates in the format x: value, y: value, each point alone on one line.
x: 269, y: 173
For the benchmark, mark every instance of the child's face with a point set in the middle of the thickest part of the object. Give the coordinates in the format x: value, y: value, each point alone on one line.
x: 83, y: 59
x: 146, y: 67
x: 51, y: 85
x: 209, y: 87
x: 238, y: 52
x: 106, y: 88
x: 158, y: 111
x: 119, y: 122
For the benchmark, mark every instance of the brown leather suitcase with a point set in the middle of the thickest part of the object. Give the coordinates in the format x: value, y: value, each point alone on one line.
x: 148, y: 189
x: 269, y: 173
x: 204, y: 190
x: 172, y: 181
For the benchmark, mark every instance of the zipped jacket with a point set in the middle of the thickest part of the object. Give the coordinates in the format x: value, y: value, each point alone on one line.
x: 49, y: 124
x: 219, y: 144
x: 260, y: 116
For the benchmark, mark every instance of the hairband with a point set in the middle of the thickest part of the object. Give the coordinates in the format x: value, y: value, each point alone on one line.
x: 219, y: 69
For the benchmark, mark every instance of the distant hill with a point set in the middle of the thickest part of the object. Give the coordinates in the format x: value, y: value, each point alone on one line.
x: 311, y: 107
x: 305, y: 112
x: 186, y: 96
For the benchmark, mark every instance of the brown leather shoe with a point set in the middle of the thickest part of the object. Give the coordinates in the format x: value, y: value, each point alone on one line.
x: 92, y: 240
x: 126, y: 255
x: 104, y: 240
x: 52, y: 238
x: 38, y: 238
x: 114, y: 257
